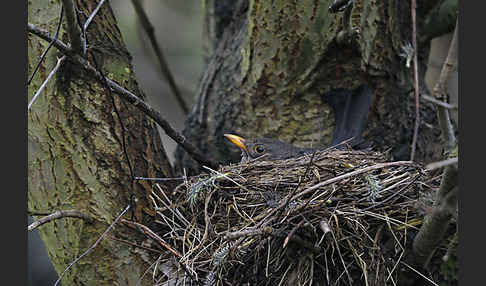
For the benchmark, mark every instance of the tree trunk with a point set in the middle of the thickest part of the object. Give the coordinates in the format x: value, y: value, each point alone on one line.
x: 273, y: 61
x: 76, y: 159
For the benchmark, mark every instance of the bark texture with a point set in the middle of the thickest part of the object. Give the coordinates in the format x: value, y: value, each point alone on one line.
x: 75, y: 158
x: 273, y: 61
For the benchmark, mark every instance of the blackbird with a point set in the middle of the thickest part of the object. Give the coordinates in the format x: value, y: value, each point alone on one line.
x: 351, y: 108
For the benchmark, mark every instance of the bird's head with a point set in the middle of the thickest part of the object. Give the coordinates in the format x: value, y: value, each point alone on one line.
x: 266, y: 148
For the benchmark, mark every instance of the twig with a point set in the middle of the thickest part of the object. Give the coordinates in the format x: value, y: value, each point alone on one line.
x: 123, y: 130
x: 394, y: 194
x: 441, y: 164
x: 440, y: 91
x: 248, y: 232
x: 131, y: 98
x: 88, y: 21
x: 48, y: 47
x: 292, y: 232
x: 298, y: 185
x: 59, y: 61
x: 35, y: 213
x: 149, y: 29
x: 415, y: 80
x: 436, y: 223
x: 351, y: 174
x: 73, y: 29
x: 207, y: 223
x: 160, y: 179
x: 133, y: 244
x: 416, y: 271
x: 92, y: 246
x: 43, y: 34
x: 58, y: 215
x: 439, y: 102
x: 148, y: 232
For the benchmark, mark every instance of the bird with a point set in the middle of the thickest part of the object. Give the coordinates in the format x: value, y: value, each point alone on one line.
x: 351, y: 109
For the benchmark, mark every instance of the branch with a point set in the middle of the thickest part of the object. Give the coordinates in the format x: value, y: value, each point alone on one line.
x: 58, y: 215
x: 131, y: 98
x: 59, y: 61
x: 48, y: 47
x: 441, y: 164
x: 439, y: 102
x: 267, y: 230
x: 64, y: 48
x: 88, y: 21
x: 148, y: 232
x: 415, y: 80
x: 149, y: 29
x: 436, y: 223
x: 351, y: 174
x: 433, y: 230
x: 440, y: 92
x: 73, y: 28
x: 92, y: 246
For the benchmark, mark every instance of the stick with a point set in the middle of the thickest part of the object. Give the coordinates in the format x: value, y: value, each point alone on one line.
x: 149, y: 29
x: 48, y: 47
x: 415, y: 80
x: 45, y: 82
x: 92, y: 246
x: 57, y: 215
x: 73, y: 29
x: 129, y: 97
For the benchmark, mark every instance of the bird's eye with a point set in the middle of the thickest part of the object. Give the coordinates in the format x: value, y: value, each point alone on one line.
x: 259, y: 149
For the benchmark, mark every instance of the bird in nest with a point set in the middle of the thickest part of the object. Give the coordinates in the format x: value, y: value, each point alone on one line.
x: 351, y: 108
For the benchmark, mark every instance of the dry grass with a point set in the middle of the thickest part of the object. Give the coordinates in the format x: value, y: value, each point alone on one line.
x: 337, y: 218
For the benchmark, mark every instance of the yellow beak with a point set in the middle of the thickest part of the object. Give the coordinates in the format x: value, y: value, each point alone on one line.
x: 237, y: 140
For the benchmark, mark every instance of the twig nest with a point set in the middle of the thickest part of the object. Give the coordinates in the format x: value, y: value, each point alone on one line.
x: 342, y: 217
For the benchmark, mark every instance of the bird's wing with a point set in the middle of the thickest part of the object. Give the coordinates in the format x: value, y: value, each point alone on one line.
x: 351, y: 108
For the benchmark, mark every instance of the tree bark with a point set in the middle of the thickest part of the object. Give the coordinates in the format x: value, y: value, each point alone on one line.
x: 275, y: 59
x: 76, y: 159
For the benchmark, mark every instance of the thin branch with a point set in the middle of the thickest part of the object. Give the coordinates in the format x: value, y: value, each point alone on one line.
x: 48, y: 47
x: 439, y: 102
x: 441, y: 94
x: 35, y: 213
x: 148, y: 232
x: 133, y: 244
x: 433, y: 229
x: 267, y: 230
x: 57, y: 215
x: 441, y: 164
x: 149, y: 29
x: 415, y: 80
x: 90, y: 18
x: 43, y: 34
x: 59, y: 61
x: 131, y: 98
x: 298, y: 185
x: 73, y: 29
x: 394, y: 194
x: 436, y: 223
x: 418, y: 272
x: 92, y: 246
x: 351, y: 174
x: 88, y: 21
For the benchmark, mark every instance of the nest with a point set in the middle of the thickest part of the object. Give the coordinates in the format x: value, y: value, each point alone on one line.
x: 330, y: 218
